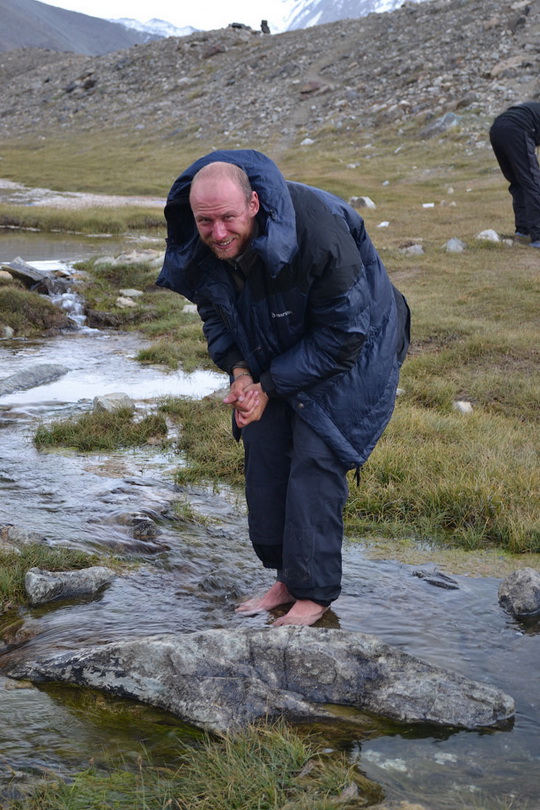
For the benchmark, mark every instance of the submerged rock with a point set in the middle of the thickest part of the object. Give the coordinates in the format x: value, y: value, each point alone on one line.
x: 45, y: 586
x: 218, y: 679
x: 32, y: 377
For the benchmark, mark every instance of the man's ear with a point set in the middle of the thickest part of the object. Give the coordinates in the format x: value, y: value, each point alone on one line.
x: 254, y: 204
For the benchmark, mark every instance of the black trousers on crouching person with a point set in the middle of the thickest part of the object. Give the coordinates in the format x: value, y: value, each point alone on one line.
x: 296, y: 489
x: 515, y: 150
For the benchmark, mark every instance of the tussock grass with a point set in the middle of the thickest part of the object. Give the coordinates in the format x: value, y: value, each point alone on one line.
x: 101, y: 431
x: 470, y: 480
x: 110, y: 220
x: 28, y: 313
x: 177, y: 335
x: 207, y: 441
x: 265, y: 767
x: 13, y: 567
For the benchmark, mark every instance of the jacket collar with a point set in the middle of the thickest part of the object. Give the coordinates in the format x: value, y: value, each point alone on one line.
x: 276, y: 243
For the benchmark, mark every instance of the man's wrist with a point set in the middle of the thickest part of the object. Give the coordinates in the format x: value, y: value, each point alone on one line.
x: 242, y: 374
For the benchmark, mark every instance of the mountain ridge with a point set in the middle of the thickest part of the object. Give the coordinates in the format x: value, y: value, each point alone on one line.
x: 31, y: 24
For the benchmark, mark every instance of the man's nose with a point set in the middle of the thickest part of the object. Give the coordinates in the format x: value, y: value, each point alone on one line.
x: 219, y: 231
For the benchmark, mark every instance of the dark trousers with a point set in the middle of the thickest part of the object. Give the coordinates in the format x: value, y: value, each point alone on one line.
x: 296, y: 489
x: 515, y: 151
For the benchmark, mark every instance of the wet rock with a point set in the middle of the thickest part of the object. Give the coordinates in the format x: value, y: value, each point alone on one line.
x: 438, y: 579
x: 99, y: 319
x: 221, y: 585
x: 519, y: 593
x: 6, y: 332
x: 52, y: 286
x: 24, y: 272
x: 113, y: 402
x: 45, y: 586
x: 31, y: 377
x: 219, y: 679
x: 19, y: 538
x: 142, y: 526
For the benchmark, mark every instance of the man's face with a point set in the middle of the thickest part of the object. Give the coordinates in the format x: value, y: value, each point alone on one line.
x: 223, y: 216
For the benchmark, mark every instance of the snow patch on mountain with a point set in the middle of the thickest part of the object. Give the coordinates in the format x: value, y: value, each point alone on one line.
x: 306, y: 13
x: 156, y: 28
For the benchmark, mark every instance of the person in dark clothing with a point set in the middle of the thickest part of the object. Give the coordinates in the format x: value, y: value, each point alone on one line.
x: 514, y: 136
x: 298, y: 309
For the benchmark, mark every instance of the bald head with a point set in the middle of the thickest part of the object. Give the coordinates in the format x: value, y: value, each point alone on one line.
x: 224, y: 208
x: 220, y: 170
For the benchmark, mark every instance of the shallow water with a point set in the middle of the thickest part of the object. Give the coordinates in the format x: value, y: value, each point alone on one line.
x: 32, y: 246
x: 193, y: 573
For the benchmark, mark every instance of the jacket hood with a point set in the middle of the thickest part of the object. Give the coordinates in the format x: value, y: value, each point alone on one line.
x: 276, y: 243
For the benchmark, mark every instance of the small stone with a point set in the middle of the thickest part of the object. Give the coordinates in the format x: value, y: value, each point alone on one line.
x: 113, y: 402
x: 462, y: 406
x: 455, y: 245
x: 123, y: 302
x: 131, y: 293
x: 362, y: 202
x: 488, y: 235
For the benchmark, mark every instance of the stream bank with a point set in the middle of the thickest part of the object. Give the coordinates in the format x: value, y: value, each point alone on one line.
x: 204, y: 565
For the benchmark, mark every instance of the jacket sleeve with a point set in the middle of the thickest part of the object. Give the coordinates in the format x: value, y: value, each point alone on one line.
x: 337, y: 318
x: 221, y: 345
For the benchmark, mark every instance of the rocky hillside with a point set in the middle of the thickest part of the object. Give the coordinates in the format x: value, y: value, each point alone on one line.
x: 237, y: 87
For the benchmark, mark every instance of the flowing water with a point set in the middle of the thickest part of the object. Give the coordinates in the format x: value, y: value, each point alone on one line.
x: 192, y: 573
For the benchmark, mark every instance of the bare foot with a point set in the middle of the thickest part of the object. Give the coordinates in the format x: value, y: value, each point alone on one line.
x: 303, y: 612
x: 276, y: 596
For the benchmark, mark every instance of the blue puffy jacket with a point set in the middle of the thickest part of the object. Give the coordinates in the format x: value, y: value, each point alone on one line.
x: 318, y: 321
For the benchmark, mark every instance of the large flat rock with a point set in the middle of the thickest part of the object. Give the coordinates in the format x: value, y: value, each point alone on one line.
x: 218, y: 679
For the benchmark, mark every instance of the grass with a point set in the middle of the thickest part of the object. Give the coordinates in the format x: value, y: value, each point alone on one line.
x: 269, y: 767
x: 206, y: 439
x: 101, y: 430
x: 111, y: 161
x: 28, y: 313
x: 13, y: 567
x: 110, y: 220
x: 177, y: 335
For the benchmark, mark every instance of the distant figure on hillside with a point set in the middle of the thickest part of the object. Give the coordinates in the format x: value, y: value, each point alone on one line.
x: 514, y: 136
x: 298, y: 309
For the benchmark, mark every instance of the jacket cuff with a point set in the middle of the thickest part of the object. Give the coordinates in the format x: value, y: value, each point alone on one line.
x: 231, y: 360
x: 267, y: 385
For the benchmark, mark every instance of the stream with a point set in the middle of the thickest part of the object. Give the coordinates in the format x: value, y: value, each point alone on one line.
x: 191, y: 574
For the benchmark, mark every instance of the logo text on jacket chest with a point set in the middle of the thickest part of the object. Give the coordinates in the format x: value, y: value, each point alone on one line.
x: 281, y: 314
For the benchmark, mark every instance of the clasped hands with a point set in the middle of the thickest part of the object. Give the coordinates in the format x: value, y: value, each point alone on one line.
x: 248, y: 400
